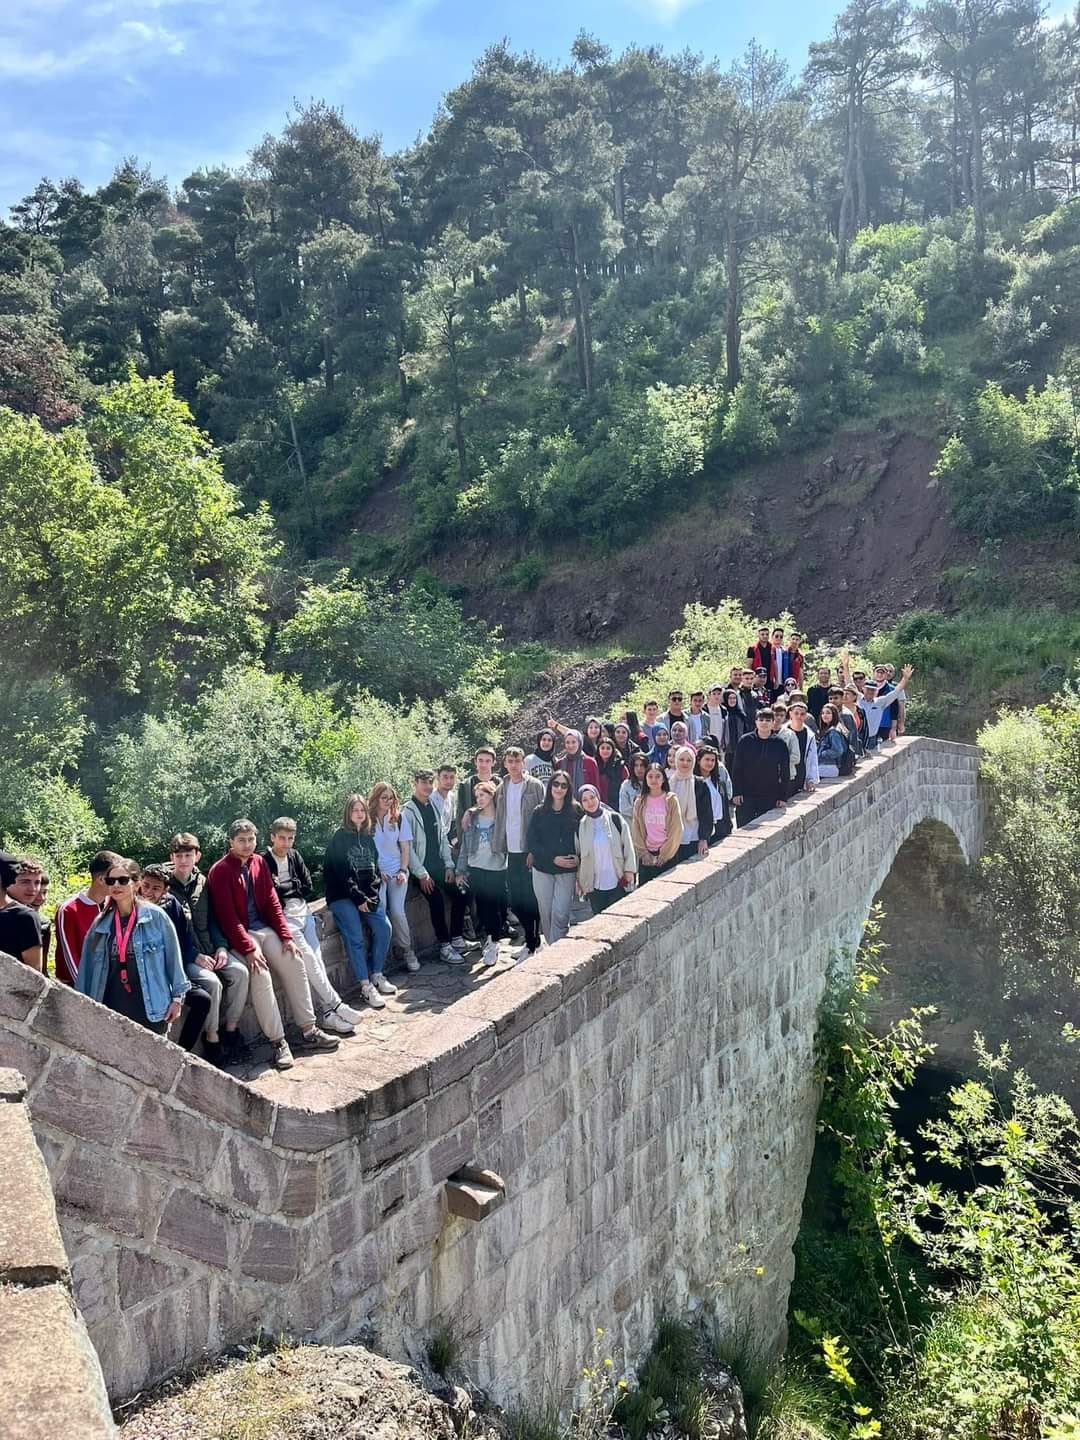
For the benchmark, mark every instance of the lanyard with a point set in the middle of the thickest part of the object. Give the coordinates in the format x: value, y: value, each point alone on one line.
x: 122, y: 939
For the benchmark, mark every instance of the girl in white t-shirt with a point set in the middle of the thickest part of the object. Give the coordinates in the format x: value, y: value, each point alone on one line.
x: 392, y: 834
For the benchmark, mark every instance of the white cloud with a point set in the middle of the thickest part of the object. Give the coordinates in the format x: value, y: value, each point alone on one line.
x: 131, y: 41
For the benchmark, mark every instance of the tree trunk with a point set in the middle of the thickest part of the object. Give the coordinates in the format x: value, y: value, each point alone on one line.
x: 328, y: 362
x: 296, y: 446
x: 731, y: 317
x: 846, y: 223
x: 977, y: 198
x: 582, y: 318
x: 863, y: 207
x: 954, y: 185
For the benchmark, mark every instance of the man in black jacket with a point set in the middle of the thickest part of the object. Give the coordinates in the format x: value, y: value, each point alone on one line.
x: 761, y: 770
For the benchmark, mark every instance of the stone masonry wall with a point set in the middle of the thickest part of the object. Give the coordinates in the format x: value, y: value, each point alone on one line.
x: 644, y: 1087
x: 49, y: 1374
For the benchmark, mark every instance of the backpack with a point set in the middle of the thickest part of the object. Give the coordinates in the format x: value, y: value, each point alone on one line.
x: 847, y: 760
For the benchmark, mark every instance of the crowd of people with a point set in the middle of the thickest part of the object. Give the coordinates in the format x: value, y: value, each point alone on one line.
x: 562, y: 832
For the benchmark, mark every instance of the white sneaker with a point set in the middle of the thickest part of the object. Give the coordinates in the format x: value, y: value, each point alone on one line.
x: 411, y: 962
x: 348, y: 1014
x: 382, y: 984
x: 491, y: 953
x: 522, y: 954
x: 450, y: 956
x: 335, y: 1023
x: 460, y: 944
x: 372, y: 996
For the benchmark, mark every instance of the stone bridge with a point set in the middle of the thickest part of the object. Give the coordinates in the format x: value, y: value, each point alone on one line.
x: 644, y: 1088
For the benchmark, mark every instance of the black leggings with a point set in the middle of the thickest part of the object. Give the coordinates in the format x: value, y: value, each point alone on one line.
x: 650, y: 872
x: 489, y: 892
x: 599, y: 900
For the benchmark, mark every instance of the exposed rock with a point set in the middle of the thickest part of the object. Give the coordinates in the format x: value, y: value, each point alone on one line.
x: 312, y: 1392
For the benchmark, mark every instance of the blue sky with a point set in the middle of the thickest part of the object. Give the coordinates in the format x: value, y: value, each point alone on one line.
x: 186, y: 83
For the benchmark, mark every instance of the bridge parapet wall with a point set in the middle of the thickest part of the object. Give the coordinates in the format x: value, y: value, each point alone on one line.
x: 645, y: 1088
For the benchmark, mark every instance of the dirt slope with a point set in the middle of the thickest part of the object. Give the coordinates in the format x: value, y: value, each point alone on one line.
x: 572, y: 692
x: 850, y: 534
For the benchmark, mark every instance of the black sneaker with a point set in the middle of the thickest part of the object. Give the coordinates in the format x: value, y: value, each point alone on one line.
x: 213, y: 1054
x: 234, y: 1048
x: 318, y: 1040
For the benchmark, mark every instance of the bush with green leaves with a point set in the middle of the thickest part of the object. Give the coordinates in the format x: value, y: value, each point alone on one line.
x: 408, y: 641
x: 1012, y: 465
x: 260, y: 745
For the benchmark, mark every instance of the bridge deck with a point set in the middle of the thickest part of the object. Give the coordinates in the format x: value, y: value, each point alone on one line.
x: 319, y: 1082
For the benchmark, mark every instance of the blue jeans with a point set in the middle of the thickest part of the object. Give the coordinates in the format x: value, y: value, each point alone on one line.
x: 352, y: 923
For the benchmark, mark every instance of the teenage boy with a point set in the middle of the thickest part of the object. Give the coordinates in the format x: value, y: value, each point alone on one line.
x: 197, y: 1003
x: 652, y: 719
x: 749, y: 703
x: 674, y: 709
x: 444, y: 798
x: 761, y: 770
x: 249, y: 912
x: 779, y: 662
x: 431, y: 865
x: 696, y: 720
x: 292, y: 881
x: 484, y: 760
x: 891, y: 713
x: 223, y: 976
x: 795, y: 658
x: 760, y: 653
x: 780, y: 730
x: 517, y: 798
x: 806, y: 775
x: 20, y: 929
x: 818, y: 693
x: 75, y: 915
x: 715, y: 719
x: 29, y: 888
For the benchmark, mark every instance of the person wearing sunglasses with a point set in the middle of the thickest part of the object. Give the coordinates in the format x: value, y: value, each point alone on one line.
x: 131, y: 956
x: 553, y: 855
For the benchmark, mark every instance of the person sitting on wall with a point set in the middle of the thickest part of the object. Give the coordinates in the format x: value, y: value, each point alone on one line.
x: 154, y: 889
x: 292, y: 881
x: 249, y: 912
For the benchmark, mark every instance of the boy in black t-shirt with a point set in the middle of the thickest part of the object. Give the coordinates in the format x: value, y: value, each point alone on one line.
x: 20, y: 928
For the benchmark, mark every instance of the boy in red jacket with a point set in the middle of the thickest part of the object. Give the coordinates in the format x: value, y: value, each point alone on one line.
x: 249, y: 913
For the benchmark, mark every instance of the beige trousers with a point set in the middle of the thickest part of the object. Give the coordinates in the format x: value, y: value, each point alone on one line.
x: 289, y: 970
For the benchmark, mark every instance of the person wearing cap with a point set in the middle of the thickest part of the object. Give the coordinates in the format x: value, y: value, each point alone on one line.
x: 875, y: 706
x: 608, y: 862
x: 853, y: 719
x: 20, y: 928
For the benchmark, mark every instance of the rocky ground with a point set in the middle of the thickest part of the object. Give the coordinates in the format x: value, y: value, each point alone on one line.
x: 347, y: 1392
x: 572, y: 692
x: 309, y: 1392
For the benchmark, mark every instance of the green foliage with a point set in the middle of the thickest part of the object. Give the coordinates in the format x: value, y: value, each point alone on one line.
x: 703, y: 649
x: 668, y: 1386
x: 259, y: 741
x: 965, y: 1320
x: 1012, y: 466
x: 396, y: 641
x: 127, y: 530
x: 1029, y: 873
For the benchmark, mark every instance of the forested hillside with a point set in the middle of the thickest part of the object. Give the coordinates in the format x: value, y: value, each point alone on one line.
x: 811, y: 333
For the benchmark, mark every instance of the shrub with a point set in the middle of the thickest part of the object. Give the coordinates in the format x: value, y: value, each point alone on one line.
x: 1013, y: 464
x: 747, y: 432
